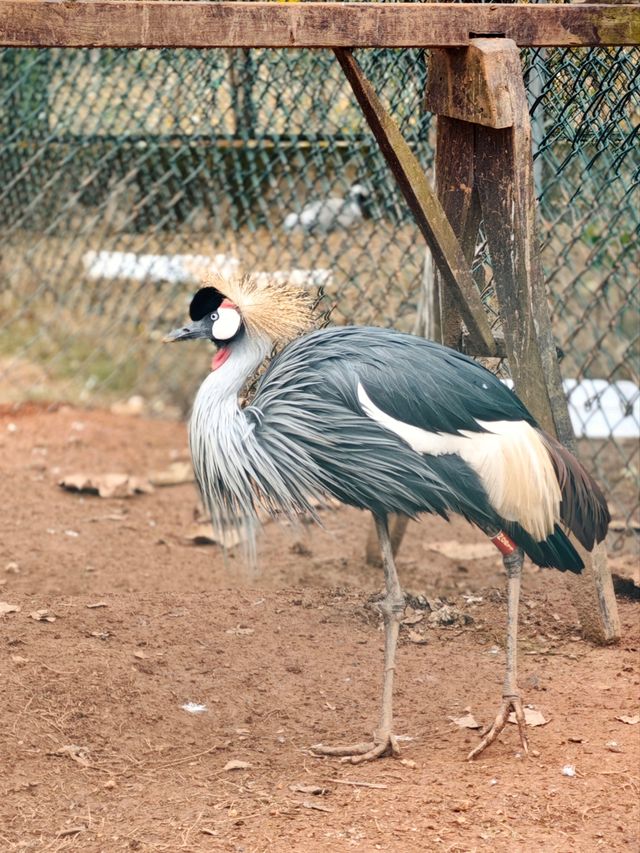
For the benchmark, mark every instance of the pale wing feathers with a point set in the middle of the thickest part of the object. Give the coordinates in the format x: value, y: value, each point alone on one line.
x: 518, y: 474
x: 269, y: 307
x: 510, y: 459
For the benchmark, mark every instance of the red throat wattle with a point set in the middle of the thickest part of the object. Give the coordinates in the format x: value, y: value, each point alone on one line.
x: 220, y: 357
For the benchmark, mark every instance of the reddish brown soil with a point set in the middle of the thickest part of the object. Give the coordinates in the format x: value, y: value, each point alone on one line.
x: 97, y: 754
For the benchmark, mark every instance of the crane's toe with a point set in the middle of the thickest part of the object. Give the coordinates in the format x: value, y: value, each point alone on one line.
x: 509, y: 704
x: 357, y: 753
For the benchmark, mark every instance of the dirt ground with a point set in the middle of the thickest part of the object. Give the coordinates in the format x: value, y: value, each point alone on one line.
x: 98, y: 753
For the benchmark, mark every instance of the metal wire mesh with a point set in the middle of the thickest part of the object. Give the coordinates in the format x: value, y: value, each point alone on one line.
x: 123, y: 172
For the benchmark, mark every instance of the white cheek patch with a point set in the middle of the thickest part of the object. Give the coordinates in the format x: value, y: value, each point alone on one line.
x: 227, y: 324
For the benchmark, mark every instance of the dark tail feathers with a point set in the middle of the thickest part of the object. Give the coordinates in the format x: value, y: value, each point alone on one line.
x: 584, y: 508
x: 556, y: 552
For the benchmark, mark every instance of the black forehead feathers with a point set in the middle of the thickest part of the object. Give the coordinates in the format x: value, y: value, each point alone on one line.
x: 206, y: 301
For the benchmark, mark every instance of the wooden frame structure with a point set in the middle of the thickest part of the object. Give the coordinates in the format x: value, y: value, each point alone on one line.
x: 477, y: 92
x: 176, y: 23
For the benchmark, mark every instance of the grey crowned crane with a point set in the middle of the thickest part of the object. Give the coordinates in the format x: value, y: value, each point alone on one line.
x: 324, y: 216
x: 383, y: 421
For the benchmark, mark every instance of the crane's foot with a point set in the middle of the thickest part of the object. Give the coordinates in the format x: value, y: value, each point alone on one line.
x: 358, y: 753
x: 509, y: 704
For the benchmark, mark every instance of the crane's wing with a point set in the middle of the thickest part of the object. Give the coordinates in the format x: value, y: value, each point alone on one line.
x: 410, y: 379
x: 394, y: 423
x: 313, y: 412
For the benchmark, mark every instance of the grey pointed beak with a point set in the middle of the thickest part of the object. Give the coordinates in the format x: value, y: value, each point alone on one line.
x: 199, y: 329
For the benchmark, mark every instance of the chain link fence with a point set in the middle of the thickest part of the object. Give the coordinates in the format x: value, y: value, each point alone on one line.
x: 123, y: 172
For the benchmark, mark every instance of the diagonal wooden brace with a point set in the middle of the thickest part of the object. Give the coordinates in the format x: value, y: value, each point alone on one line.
x: 479, y: 90
x: 432, y: 221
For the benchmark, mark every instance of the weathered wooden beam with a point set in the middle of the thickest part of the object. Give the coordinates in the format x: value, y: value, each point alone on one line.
x: 421, y: 198
x: 171, y: 23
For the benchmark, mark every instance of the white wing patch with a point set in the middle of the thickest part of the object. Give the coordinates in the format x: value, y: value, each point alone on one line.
x: 510, y: 459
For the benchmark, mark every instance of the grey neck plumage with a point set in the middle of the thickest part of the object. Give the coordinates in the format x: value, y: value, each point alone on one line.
x: 222, y: 443
x: 245, y: 471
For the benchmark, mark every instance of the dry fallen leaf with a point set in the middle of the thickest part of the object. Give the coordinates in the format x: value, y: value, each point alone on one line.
x: 446, y: 615
x: 237, y: 765
x: 630, y: 721
x: 42, y: 616
x: 79, y: 754
x: 416, y: 637
x: 72, y: 830
x: 106, y: 485
x: 101, y: 635
x: 97, y: 604
x: 466, y: 722
x: 111, y: 516
x: 174, y: 475
x: 308, y: 789
x: 202, y: 534
x: 531, y: 718
x: 413, y: 619
x: 5, y: 608
x: 317, y: 806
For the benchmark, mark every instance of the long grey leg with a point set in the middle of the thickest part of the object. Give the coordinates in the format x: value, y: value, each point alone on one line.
x: 392, y: 608
x: 392, y: 611
x: 510, y: 696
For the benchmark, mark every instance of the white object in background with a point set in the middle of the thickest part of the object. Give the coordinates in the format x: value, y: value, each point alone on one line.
x: 185, y: 269
x: 601, y: 409
x: 328, y: 214
x: 172, y: 268
x: 298, y: 277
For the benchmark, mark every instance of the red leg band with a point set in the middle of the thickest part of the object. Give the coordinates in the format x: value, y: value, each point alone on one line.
x: 504, y: 544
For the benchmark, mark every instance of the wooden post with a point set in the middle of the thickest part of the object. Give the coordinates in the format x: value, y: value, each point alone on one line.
x: 456, y: 192
x: 481, y: 89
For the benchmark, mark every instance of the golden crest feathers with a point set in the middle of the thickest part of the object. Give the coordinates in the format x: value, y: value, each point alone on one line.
x: 269, y: 306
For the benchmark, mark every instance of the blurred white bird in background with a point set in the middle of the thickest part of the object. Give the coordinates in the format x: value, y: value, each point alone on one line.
x: 331, y: 213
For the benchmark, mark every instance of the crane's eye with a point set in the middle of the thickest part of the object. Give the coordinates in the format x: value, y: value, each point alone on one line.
x: 214, y: 316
